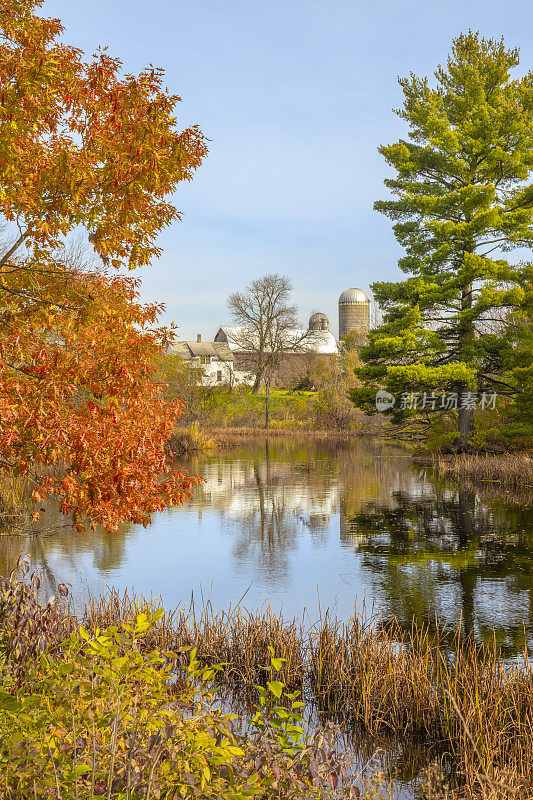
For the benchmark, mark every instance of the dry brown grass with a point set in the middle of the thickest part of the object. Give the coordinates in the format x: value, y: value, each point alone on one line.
x: 413, y: 685
x: 228, y: 438
x: 236, y: 639
x: 190, y: 440
x: 513, y: 470
x: 462, y: 699
x: 236, y: 435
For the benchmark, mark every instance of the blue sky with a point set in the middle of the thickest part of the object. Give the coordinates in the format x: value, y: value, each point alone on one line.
x: 295, y: 97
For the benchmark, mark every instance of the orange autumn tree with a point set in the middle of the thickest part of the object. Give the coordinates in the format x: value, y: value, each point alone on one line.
x: 84, y: 148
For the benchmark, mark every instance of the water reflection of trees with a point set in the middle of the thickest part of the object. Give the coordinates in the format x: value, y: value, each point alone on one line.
x: 268, y: 533
x: 56, y: 550
x: 279, y: 507
x: 447, y: 552
x: 273, y: 493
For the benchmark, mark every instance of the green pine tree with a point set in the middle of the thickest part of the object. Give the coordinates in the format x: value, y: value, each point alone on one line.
x: 460, y: 201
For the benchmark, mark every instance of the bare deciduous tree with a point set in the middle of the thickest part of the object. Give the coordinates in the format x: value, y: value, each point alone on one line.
x: 266, y: 325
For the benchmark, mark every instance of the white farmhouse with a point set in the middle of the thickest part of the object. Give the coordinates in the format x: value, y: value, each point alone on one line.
x: 214, y: 360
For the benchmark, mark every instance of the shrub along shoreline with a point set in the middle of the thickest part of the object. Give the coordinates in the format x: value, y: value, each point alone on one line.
x: 100, y: 707
x: 427, y: 686
x: 92, y: 711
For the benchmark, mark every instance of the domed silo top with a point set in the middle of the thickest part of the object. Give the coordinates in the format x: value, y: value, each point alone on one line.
x: 318, y: 322
x: 354, y: 296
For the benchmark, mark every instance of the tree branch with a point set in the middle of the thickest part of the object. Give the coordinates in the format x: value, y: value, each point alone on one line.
x: 5, y: 258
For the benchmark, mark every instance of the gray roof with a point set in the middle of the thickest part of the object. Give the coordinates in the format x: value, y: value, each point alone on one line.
x: 189, y: 350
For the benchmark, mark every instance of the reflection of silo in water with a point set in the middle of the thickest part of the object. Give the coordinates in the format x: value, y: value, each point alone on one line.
x: 344, y: 527
x: 354, y: 312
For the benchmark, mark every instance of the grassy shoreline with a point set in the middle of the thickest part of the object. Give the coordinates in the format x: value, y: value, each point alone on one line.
x: 438, y: 689
x: 510, y: 470
x: 430, y: 688
x: 223, y: 435
x: 196, y: 439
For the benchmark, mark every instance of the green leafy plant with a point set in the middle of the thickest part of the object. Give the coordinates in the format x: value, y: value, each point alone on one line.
x: 273, y: 715
x: 108, y: 718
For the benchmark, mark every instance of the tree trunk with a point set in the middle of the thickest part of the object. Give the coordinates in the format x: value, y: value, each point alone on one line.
x: 466, y: 338
x: 257, y: 383
x: 466, y: 517
x: 261, y: 493
x: 464, y: 426
x: 267, y: 404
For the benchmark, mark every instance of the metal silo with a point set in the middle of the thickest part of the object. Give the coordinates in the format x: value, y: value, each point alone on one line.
x: 354, y: 312
x: 318, y: 322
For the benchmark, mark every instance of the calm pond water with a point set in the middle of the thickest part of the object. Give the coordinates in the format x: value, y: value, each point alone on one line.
x: 309, y: 526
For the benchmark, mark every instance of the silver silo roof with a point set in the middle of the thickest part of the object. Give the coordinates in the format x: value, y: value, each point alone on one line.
x: 354, y: 296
